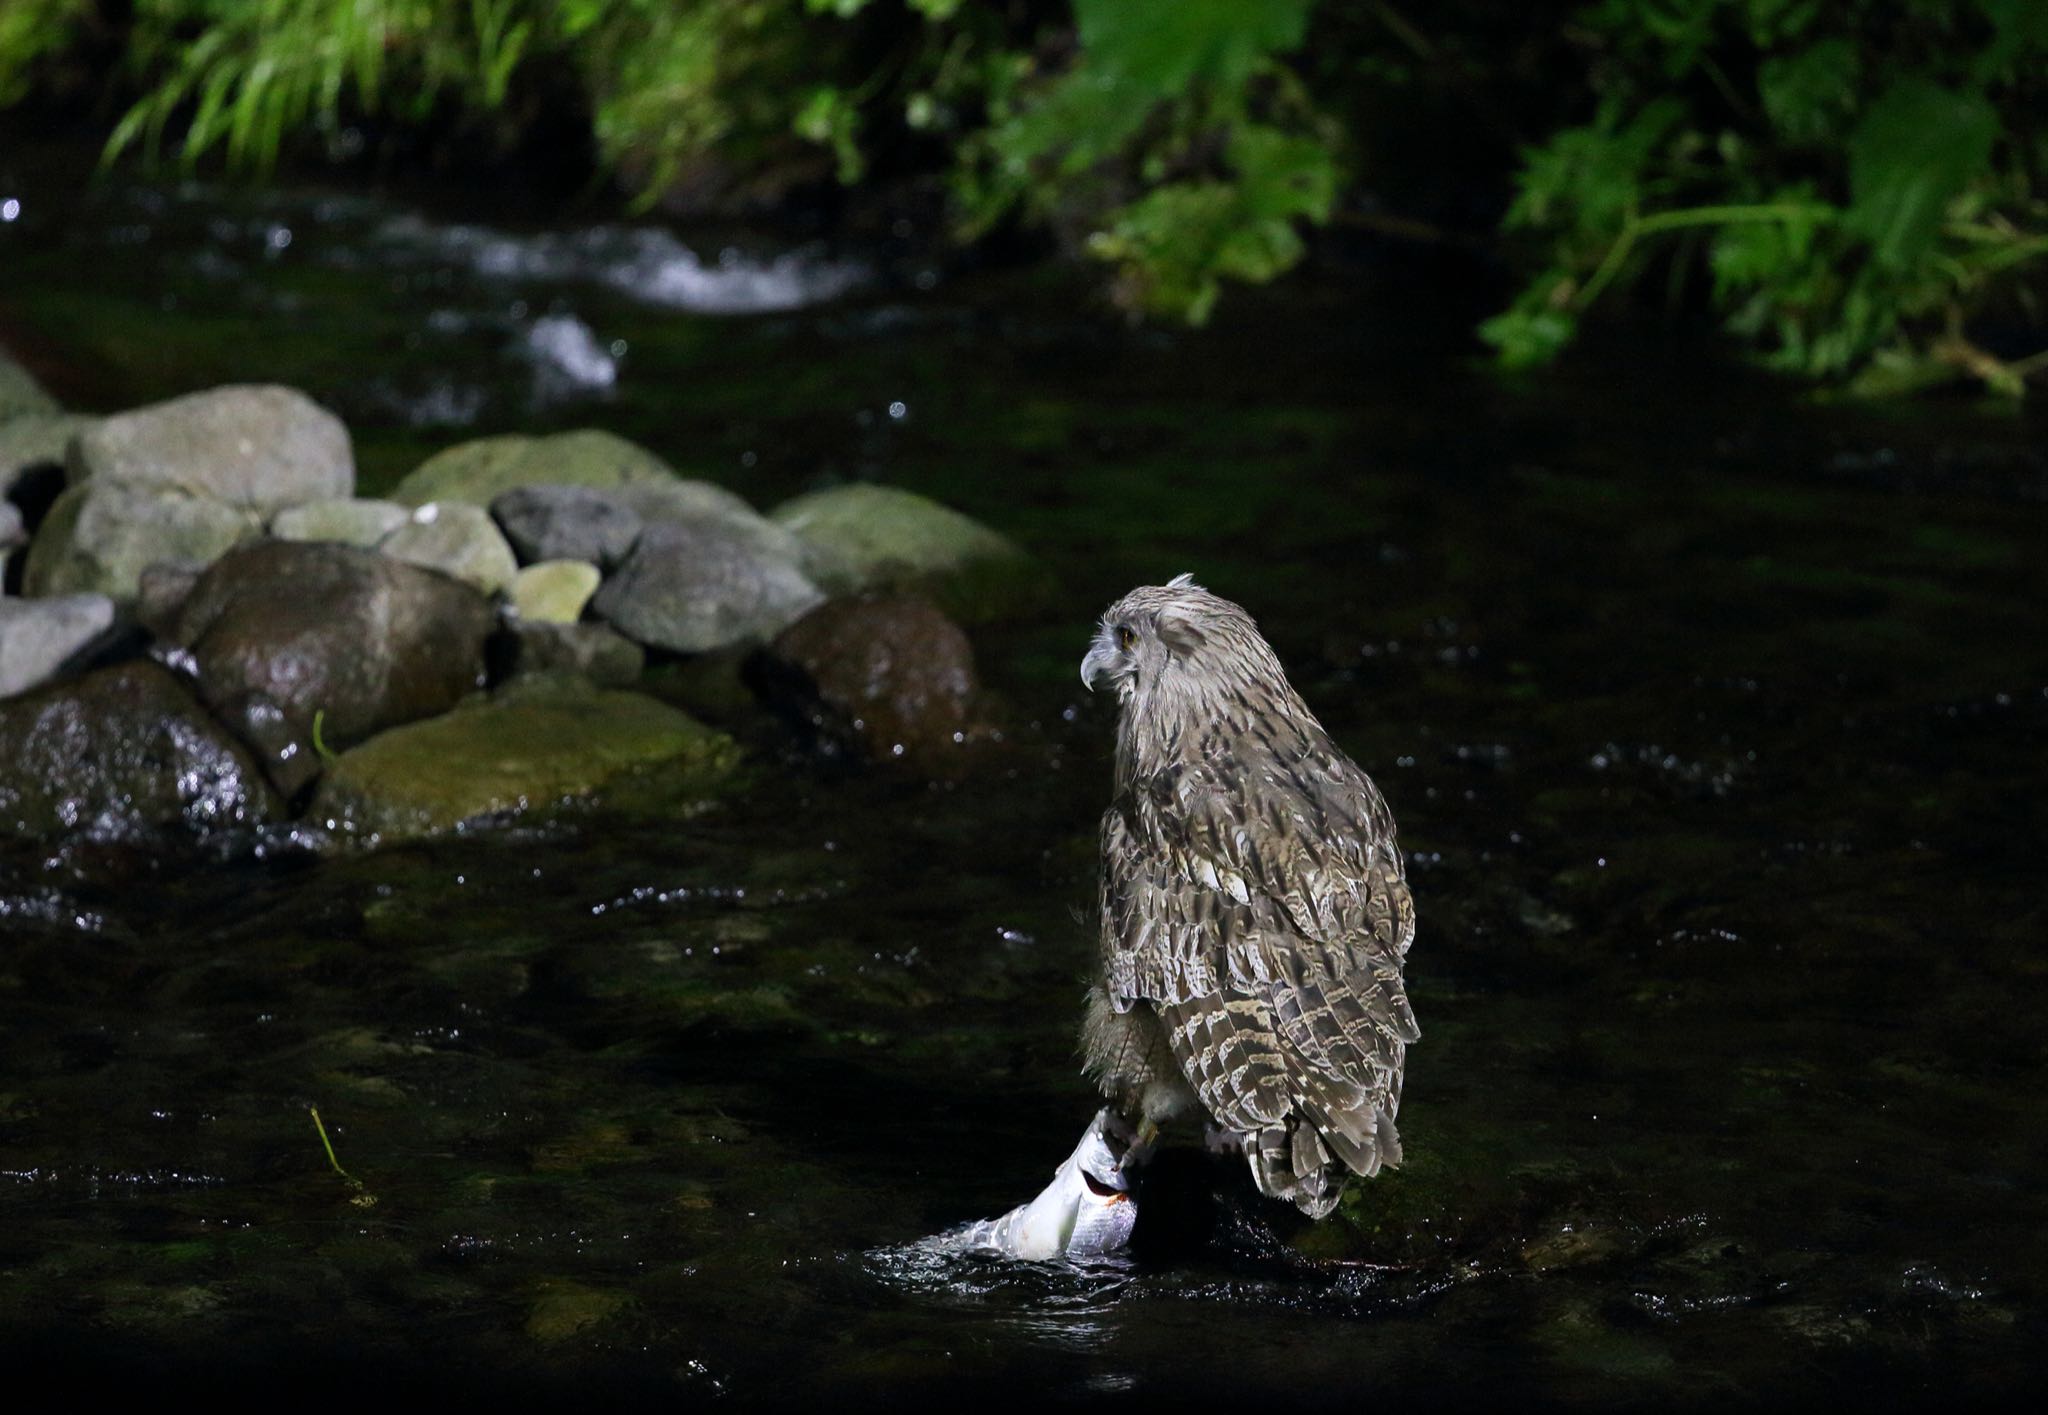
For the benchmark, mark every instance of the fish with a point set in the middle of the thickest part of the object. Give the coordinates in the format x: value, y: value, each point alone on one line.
x: 1087, y: 1210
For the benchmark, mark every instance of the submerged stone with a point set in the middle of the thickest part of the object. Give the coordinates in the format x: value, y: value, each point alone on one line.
x: 258, y: 447
x: 38, y: 637
x: 529, y: 748
x: 594, y: 651
x: 120, y: 754
x: 458, y: 540
x: 693, y: 587
x: 865, y: 537
x: 480, y: 471
x: 100, y: 536
x: 315, y: 626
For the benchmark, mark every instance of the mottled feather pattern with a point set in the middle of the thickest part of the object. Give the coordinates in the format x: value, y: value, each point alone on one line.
x: 1253, y: 899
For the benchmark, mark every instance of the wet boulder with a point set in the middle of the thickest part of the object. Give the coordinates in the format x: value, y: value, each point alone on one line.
x: 538, y: 648
x: 887, y: 677
x: 691, y: 587
x: 530, y: 747
x: 101, y: 535
x: 40, y: 637
x: 480, y: 471
x: 366, y: 640
x: 122, y: 754
x: 350, y: 520
x: 457, y: 539
x: 865, y: 538
x: 256, y: 447
x: 554, y: 591
x: 566, y: 523
x: 162, y: 592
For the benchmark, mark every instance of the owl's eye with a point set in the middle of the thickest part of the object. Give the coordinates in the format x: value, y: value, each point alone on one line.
x: 1126, y: 637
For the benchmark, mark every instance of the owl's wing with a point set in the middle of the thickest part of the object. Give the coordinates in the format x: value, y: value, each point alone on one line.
x: 1293, y: 880
x: 1314, y: 836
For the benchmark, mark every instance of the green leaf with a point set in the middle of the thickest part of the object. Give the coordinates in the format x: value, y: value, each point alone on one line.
x: 1161, y: 46
x: 1808, y: 94
x: 1283, y: 175
x: 1915, y: 151
x: 1589, y: 178
x: 1527, y: 337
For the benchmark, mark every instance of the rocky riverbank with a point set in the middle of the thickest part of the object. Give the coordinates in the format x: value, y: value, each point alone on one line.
x: 207, y: 633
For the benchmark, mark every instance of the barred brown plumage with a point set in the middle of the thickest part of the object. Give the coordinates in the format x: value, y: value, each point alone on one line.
x: 1255, y: 911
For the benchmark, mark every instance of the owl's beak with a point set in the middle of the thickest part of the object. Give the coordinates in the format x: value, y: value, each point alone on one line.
x: 1098, y: 669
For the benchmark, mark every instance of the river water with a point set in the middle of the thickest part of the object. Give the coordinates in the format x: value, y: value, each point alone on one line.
x: 1715, y: 722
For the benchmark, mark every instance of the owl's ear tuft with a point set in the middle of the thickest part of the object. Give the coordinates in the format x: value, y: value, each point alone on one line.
x: 1185, y: 580
x: 1181, y: 635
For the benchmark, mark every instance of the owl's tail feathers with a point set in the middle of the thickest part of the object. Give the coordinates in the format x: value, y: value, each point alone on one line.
x: 1290, y: 1162
x: 1306, y: 1159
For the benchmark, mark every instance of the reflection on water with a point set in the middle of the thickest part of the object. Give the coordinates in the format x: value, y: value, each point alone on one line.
x: 1716, y: 738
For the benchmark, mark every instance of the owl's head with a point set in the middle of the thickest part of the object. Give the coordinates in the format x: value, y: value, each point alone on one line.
x: 1175, y: 636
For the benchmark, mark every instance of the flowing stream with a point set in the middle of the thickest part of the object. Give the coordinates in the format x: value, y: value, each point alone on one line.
x: 1715, y: 722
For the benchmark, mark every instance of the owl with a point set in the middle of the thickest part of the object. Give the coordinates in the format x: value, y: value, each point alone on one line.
x: 1255, y: 912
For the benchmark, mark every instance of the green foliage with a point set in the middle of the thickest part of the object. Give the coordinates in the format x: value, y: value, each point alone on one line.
x: 30, y: 30
x: 1166, y: 136
x: 1850, y: 185
x: 1177, y: 139
x: 1855, y: 178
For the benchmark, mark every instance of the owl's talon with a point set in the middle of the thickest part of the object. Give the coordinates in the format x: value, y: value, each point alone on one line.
x: 1218, y: 1141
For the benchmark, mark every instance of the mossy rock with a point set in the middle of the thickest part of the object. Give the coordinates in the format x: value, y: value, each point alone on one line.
x: 480, y: 471
x: 529, y: 748
x: 100, y: 536
x: 19, y: 391
x: 866, y: 538
x: 34, y: 442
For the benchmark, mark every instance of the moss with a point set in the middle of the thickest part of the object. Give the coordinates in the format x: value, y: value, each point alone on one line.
x: 527, y: 749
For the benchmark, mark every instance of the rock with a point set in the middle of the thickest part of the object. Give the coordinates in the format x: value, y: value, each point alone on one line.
x: 458, y: 540
x: 594, y: 651
x: 119, y: 754
x: 19, y: 392
x: 13, y: 535
x: 890, y: 677
x: 567, y: 523
x: 691, y: 587
x: 282, y: 743
x: 259, y: 447
x: 38, y: 637
x: 36, y: 443
x: 554, y: 591
x: 684, y: 499
x: 161, y: 594
x: 697, y: 503
x: 350, y: 520
x: 479, y: 472
x: 368, y: 641
x: 868, y: 537
x: 101, y: 536
x: 523, y: 750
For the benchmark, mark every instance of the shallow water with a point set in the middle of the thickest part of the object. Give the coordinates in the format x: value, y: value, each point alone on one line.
x: 1716, y: 725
